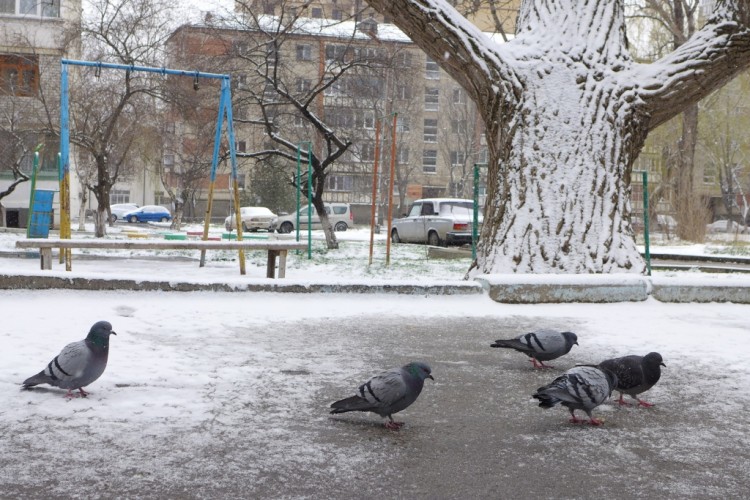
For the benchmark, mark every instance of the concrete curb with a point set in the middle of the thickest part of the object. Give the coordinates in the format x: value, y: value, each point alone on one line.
x: 555, y: 288
x: 508, y: 289
x: 38, y: 282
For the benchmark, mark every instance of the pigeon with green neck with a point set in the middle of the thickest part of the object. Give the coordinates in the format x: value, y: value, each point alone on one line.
x: 78, y: 364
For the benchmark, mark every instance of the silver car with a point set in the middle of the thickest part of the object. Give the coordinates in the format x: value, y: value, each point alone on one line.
x: 253, y: 219
x: 339, y: 214
x: 436, y: 221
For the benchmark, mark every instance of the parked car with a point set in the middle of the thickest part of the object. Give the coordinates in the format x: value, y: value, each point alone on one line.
x: 253, y: 219
x: 148, y: 213
x: 339, y: 214
x: 118, y: 210
x: 436, y: 221
x: 725, y: 226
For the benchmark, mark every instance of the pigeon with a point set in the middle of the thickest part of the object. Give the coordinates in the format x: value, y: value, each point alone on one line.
x: 78, y: 364
x: 581, y: 388
x: 388, y: 392
x: 635, y: 374
x: 542, y: 345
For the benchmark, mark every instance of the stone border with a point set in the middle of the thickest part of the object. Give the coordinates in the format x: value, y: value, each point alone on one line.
x: 508, y: 289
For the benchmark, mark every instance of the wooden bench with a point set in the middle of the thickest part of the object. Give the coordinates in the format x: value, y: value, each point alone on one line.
x: 276, y: 249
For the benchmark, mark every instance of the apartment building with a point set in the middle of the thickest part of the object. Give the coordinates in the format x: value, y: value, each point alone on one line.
x: 32, y: 42
x: 438, y: 134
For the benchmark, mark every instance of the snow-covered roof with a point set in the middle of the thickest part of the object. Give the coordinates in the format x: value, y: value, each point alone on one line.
x: 325, y: 28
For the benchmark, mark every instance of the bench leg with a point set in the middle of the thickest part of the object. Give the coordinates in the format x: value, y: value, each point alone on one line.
x: 282, y: 264
x: 45, y: 254
x: 271, y: 266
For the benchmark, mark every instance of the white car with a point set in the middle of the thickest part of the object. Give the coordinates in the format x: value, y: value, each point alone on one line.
x: 437, y: 221
x: 339, y: 214
x: 119, y: 210
x: 253, y: 219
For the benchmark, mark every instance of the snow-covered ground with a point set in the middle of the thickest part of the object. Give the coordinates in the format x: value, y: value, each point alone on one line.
x: 212, y: 395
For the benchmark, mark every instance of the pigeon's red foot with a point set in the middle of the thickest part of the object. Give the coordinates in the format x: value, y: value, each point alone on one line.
x: 622, y: 402
x: 83, y: 393
x: 539, y: 364
x: 574, y: 420
x: 645, y: 404
x: 394, y: 426
x: 596, y: 421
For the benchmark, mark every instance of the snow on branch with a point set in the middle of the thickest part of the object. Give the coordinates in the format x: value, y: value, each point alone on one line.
x: 713, y: 56
x: 461, y: 49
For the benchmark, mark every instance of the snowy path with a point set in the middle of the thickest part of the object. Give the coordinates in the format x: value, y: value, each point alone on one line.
x: 226, y: 395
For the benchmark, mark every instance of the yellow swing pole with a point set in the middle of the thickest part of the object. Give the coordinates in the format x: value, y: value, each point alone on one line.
x: 374, y: 188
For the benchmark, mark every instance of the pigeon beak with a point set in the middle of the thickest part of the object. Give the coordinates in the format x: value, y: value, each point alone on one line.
x: 662, y: 364
x: 431, y: 377
x: 113, y: 332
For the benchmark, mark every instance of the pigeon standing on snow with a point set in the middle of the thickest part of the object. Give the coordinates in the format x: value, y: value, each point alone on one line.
x: 388, y: 392
x: 79, y: 363
x: 542, y: 345
x: 580, y: 388
x: 635, y: 374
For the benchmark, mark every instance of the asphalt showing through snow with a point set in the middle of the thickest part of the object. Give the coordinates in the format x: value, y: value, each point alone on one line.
x: 474, y: 433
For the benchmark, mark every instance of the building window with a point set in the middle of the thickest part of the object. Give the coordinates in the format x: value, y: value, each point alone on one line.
x: 303, y: 85
x: 403, y: 60
x: 402, y: 124
x: 336, y: 52
x: 367, y: 152
x: 458, y: 126
x: 709, y: 174
x: 458, y: 158
x: 403, y: 92
x: 336, y: 15
x: 19, y: 75
x: 430, y: 130
x: 368, y: 120
x: 432, y: 70
x: 46, y: 8
x: 241, y: 146
x: 339, y: 183
x: 119, y: 196
x: 304, y: 52
x: 161, y: 199
x: 459, y: 96
x: 272, y: 54
x: 168, y: 160
x: 402, y: 156
x: 431, y: 99
x: 429, y: 161
x: 317, y: 13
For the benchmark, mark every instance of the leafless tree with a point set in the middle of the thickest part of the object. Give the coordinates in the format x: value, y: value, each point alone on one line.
x: 107, y: 106
x: 566, y: 111
x: 678, y: 20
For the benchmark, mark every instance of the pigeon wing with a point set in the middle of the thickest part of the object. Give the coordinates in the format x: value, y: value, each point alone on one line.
x: 385, y: 389
x: 69, y: 365
x: 377, y: 395
x: 628, y: 370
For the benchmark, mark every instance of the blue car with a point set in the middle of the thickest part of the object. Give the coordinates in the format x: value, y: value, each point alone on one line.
x: 149, y: 213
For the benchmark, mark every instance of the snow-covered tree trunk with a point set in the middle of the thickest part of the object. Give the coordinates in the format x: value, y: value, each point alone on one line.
x: 566, y: 112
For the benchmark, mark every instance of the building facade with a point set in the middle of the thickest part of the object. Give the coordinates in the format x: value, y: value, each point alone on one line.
x: 32, y: 42
x: 389, y: 81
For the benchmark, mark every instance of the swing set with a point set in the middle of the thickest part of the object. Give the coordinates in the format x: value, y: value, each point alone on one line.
x: 225, y: 112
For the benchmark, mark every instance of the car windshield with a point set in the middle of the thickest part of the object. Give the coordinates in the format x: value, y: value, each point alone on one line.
x: 457, y: 208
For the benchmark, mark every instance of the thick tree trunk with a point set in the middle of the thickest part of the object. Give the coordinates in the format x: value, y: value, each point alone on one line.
x: 566, y: 112
x: 559, y: 201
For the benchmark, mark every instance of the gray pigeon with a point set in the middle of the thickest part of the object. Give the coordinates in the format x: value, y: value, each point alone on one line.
x: 580, y: 388
x: 635, y: 374
x: 79, y: 363
x: 542, y: 345
x: 388, y: 392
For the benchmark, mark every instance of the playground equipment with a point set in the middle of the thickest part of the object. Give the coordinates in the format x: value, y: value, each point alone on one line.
x: 225, y: 111
x: 40, y: 205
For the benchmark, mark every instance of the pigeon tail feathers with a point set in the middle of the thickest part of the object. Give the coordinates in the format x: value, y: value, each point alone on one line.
x: 353, y: 403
